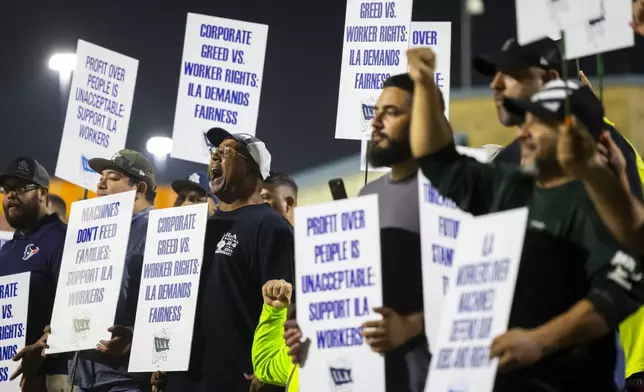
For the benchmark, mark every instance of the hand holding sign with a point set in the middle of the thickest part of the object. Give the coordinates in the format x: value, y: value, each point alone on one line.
x: 638, y: 17
x: 516, y: 348
x: 277, y: 293
x: 31, y: 357
x: 387, y: 334
x: 120, y: 342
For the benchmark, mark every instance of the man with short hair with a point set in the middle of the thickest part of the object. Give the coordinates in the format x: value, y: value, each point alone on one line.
x: 105, y: 369
x: 280, y: 192
x: 195, y: 190
x: 575, y: 283
x: 58, y: 206
x: 36, y: 247
x: 399, y: 333
x: 247, y: 244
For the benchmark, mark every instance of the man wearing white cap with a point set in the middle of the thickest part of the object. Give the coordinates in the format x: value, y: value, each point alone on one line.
x: 247, y: 244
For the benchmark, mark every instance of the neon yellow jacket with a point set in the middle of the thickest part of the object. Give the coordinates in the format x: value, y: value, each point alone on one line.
x: 631, y: 330
x: 271, y: 362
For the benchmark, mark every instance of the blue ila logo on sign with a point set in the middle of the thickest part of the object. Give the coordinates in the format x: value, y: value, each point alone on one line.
x: 85, y: 164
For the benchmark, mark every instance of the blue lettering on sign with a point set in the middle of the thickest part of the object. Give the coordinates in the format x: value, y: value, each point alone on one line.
x: 12, y: 331
x: 442, y: 255
x: 337, y: 280
x: 484, y: 272
x: 432, y: 196
x: 463, y: 357
x: 476, y: 301
x: 339, y: 337
x: 424, y: 38
x: 448, y: 227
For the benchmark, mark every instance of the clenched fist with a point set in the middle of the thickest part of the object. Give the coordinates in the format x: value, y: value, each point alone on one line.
x: 277, y: 293
x: 422, y: 64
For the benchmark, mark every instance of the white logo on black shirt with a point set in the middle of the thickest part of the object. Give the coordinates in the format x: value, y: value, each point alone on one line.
x: 624, y: 271
x: 227, y: 244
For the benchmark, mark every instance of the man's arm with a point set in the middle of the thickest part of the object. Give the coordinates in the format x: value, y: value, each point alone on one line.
x: 616, y: 291
x: 470, y: 184
x: 622, y: 213
x: 271, y: 362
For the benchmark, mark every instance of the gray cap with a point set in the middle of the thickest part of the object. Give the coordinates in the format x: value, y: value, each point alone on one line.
x: 27, y: 169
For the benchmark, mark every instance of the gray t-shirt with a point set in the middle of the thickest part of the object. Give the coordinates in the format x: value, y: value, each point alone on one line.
x: 398, y: 202
x: 402, y: 273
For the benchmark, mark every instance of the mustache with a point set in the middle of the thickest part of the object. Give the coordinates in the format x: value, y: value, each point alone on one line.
x: 380, y: 134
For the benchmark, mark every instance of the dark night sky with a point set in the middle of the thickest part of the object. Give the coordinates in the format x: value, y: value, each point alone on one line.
x: 301, y: 72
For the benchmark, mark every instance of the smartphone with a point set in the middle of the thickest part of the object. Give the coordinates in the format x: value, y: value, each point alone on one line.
x: 338, y: 191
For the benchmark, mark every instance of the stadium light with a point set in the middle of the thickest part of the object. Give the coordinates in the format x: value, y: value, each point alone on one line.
x: 63, y: 62
x: 159, y: 146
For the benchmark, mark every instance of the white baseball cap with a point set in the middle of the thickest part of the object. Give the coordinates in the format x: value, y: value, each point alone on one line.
x: 255, y: 147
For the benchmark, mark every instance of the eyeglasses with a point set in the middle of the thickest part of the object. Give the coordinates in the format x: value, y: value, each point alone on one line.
x: 225, y: 152
x: 20, y: 190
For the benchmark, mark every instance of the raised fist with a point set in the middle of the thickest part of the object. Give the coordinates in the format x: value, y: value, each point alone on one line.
x: 277, y: 293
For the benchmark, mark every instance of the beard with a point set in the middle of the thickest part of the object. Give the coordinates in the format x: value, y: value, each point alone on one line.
x: 398, y: 151
x: 25, y: 218
x: 511, y: 119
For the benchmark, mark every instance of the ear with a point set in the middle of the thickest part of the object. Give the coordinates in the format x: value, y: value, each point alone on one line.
x: 290, y: 202
x: 141, y: 187
x: 551, y: 74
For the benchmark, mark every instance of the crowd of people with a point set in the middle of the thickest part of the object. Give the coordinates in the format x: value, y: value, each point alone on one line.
x: 576, y: 322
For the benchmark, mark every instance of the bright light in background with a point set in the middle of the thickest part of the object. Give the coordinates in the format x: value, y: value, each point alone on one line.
x: 63, y: 62
x: 475, y: 7
x: 159, y: 146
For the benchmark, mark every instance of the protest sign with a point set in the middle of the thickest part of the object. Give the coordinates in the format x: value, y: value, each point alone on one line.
x: 440, y: 222
x: 167, y: 302
x: 608, y: 32
x: 438, y: 36
x: 569, y: 13
x: 338, y: 283
x: 220, y: 83
x: 5, y: 236
x: 376, y: 38
x: 14, y: 301
x: 98, y: 112
x: 91, y: 271
x: 478, y: 303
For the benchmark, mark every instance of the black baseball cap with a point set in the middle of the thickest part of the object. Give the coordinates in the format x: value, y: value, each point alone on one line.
x: 549, y: 105
x: 543, y: 53
x: 129, y: 162
x: 27, y: 169
x: 196, y: 181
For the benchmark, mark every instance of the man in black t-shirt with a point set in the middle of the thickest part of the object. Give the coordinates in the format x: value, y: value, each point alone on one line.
x: 575, y: 282
x: 247, y: 244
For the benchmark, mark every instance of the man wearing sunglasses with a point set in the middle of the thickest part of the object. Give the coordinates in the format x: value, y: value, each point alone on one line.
x: 36, y: 247
x: 247, y: 244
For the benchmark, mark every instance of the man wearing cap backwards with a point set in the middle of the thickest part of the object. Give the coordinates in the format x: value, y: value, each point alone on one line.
x: 105, y: 369
x: 195, y: 190
x: 36, y: 247
x: 247, y: 244
x: 575, y: 283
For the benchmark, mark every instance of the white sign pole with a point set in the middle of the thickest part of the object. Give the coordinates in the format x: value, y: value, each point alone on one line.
x: 478, y: 303
x: 337, y: 253
x: 167, y: 302
x: 91, y: 272
x: 376, y: 39
x: 14, y: 301
x: 98, y: 113
x: 220, y: 83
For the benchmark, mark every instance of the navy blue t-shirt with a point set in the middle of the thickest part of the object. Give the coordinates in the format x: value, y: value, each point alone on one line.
x: 244, y: 249
x: 39, y: 252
